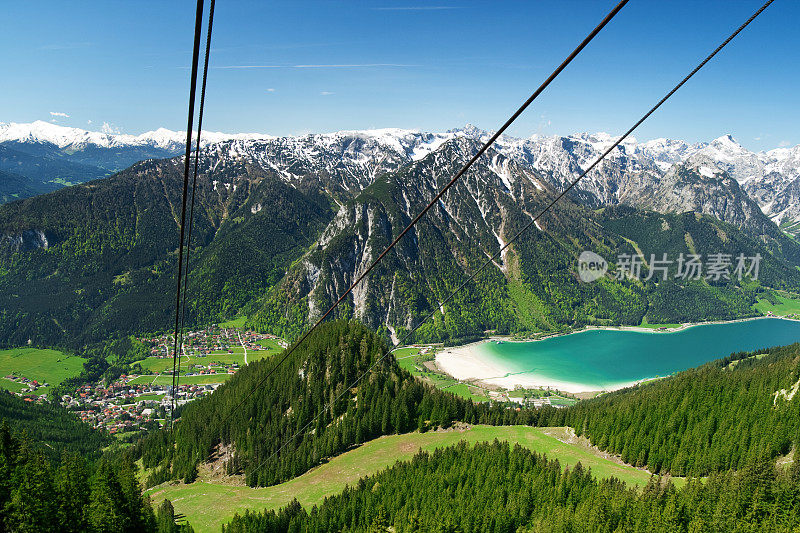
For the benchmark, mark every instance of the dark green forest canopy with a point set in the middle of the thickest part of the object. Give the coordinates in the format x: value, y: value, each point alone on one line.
x: 51, y: 429
x: 71, y: 493
x: 499, y: 488
x: 720, y: 416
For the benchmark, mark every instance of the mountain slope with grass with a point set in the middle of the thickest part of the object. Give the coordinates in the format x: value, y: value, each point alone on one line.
x: 499, y: 487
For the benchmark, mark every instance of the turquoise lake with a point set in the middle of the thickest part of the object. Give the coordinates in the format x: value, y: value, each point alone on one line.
x: 608, y: 359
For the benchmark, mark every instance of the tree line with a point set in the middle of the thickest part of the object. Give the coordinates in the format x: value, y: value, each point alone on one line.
x: 72, y: 494
x: 496, y: 487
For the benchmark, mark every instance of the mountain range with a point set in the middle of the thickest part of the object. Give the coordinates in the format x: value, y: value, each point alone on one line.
x: 73, y: 155
x: 284, y: 224
x: 41, y: 157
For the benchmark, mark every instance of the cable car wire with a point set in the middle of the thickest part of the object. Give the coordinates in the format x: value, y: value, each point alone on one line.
x: 436, y: 198
x: 198, y: 29
x: 526, y: 227
x: 194, y: 185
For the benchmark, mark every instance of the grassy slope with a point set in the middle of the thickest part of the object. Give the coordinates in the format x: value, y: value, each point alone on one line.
x: 787, y: 306
x: 408, y: 360
x: 185, y: 380
x: 234, y: 323
x: 50, y: 366
x: 208, y: 505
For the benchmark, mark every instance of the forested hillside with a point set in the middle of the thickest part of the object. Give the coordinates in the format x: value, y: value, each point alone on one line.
x: 97, y: 260
x: 676, y: 300
x: 94, y: 261
x: 388, y: 400
x: 500, y: 488
x: 720, y: 416
x: 728, y: 420
x: 533, y: 286
x: 52, y: 480
x: 51, y: 429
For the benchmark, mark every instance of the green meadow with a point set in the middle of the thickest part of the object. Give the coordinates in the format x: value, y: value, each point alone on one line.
x: 156, y: 365
x: 785, y: 306
x: 207, y: 504
x: 234, y: 323
x: 186, y: 380
x: 45, y: 366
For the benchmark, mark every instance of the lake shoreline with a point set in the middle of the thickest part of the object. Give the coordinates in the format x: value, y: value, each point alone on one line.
x: 467, y: 363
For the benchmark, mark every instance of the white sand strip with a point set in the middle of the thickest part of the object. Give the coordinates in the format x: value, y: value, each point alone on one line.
x: 468, y: 362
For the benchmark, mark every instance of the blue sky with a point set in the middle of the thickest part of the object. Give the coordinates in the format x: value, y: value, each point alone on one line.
x: 297, y: 67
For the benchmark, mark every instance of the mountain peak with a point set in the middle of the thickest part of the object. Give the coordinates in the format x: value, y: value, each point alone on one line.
x: 727, y: 140
x: 469, y: 130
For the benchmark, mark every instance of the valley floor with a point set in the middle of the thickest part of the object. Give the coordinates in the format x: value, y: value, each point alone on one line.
x: 208, y: 503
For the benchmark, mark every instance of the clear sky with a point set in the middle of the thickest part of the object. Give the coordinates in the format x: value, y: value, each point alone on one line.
x: 294, y: 67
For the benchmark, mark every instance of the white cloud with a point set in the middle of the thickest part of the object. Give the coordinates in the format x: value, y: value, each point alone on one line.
x: 58, y: 114
x: 337, y: 65
x: 64, y: 46
x: 110, y: 128
x: 270, y: 90
x: 88, y: 122
x: 415, y: 8
x: 784, y: 144
x: 326, y: 93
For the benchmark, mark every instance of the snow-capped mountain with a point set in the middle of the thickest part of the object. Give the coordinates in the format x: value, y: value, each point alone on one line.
x: 720, y: 178
x: 345, y: 162
x: 42, y: 157
x: 275, y: 246
x: 65, y: 137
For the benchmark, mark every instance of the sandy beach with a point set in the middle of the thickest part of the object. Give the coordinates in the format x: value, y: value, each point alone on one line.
x: 467, y: 363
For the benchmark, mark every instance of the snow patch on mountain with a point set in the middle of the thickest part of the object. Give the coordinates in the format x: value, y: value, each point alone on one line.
x: 64, y: 136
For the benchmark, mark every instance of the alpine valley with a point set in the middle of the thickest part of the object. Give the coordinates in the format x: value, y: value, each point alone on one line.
x: 283, y: 225
x: 333, y: 435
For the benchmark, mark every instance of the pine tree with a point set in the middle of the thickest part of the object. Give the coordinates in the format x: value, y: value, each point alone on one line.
x: 32, y: 506
x: 72, y: 490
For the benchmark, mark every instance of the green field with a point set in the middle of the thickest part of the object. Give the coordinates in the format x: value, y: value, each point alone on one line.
x: 149, y: 396
x: 50, y: 366
x: 405, y: 352
x: 646, y: 324
x: 234, y: 323
x: 557, y: 400
x: 519, y: 395
x: 187, y: 380
x: 409, y: 360
x: 156, y: 365
x: 12, y: 386
x: 208, y: 505
x: 785, y: 306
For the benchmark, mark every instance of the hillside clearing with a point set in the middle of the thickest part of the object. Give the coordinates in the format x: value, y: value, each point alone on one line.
x: 45, y: 366
x: 207, y: 505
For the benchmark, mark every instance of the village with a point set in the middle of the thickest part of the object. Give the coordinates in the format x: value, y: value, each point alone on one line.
x: 29, y: 385
x: 143, y: 398
x: 122, y: 407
